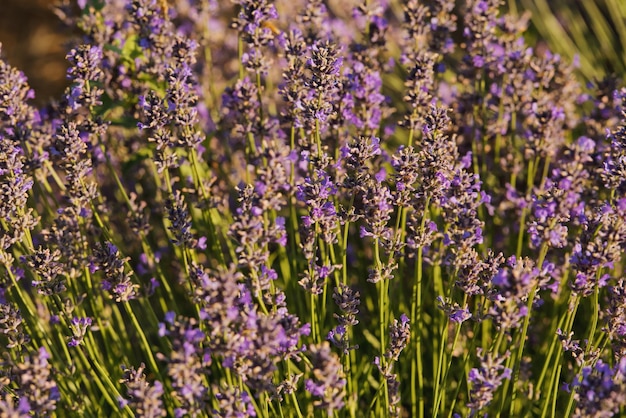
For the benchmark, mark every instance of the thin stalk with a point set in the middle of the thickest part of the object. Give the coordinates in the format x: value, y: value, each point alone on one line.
x: 143, y: 339
x: 520, y: 350
x: 417, y: 369
x: 439, y: 394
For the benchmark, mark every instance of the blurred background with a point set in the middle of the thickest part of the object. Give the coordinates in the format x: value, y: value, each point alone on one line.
x: 591, y: 31
x: 34, y: 40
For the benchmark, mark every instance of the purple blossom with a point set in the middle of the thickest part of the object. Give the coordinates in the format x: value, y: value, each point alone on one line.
x: 616, y: 318
x: 144, y: 399
x: 85, y: 72
x: 486, y: 379
x: 79, y: 327
x: 599, y: 246
x: 186, y: 363
x: 117, y: 281
x: 180, y: 220
x: 399, y: 334
x: 36, y: 384
x: 317, y: 192
x: 12, y: 325
x: 348, y: 301
x: 345, y: 150
x: 47, y: 265
x: 615, y: 163
x: 18, y: 408
x: 251, y: 18
x: 152, y: 26
x: 323, y: 81
x: 600, y: 389
x: 454, y: 311
x: 327, y: 383
x: 233, y: 403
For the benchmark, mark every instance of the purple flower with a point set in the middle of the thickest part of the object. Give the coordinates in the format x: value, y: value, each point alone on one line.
x: 348, y: 302
x: 454, y: 310
x: 399, y: 335
x: 186, y: 363
x: 47, y: 265
x: 616, y: 318
x: 85, y: 71
x: 317, y: 191
x: 233, y: 403
x: 600, y: 390
x: 599, y: 246
x: 12, y: 407
x: 486, y: 379
x: 79, y: 327
x: 37, y: 390
x: 116, y: 280
x: 250, y: 21
x: 180, y: 220
x: 327, y: 383
x: 144, y: 399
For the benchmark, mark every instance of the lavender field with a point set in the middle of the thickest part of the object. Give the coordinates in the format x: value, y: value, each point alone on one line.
x: 308, y: 208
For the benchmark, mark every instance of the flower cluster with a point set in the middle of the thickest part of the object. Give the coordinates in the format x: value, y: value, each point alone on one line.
x: 306, y: 207
x: 600, y: 389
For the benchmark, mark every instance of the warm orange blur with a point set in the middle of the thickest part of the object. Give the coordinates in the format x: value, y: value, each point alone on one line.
x: 34, y: 40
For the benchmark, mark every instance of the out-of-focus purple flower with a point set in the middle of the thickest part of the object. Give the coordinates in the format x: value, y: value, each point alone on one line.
x: 251, y: 343
x: 143, y: 398
x: 12, y: 326
x: 154, y: 30
x: 419, y: 88
x: 253, y: 233
x: 317, y: 192
x: 241, y: 105
x: 614, y: 171
x: 486, y: 379
x: 233, y: 403
x: 399, y: 336
x: 429, y: 26
x: 600, y: 245
x: 377, y: 210
x: 251, y: 19
x: 363, y: 103
x: 293, y: 88
x: 314, y: 22
x: 547, y: 223
x: 314, y: 279
x: 460, y: 203
x: 600, y: 390
x: 36, y: 384
x: 327, y: 382
x: 187, y: 363
x: 11, y: 406
x: 571, y: 346
x: 513, y: 284
x: 616, y: 318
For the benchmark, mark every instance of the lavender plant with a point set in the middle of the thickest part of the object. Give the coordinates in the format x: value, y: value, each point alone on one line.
x: 311, y: 208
